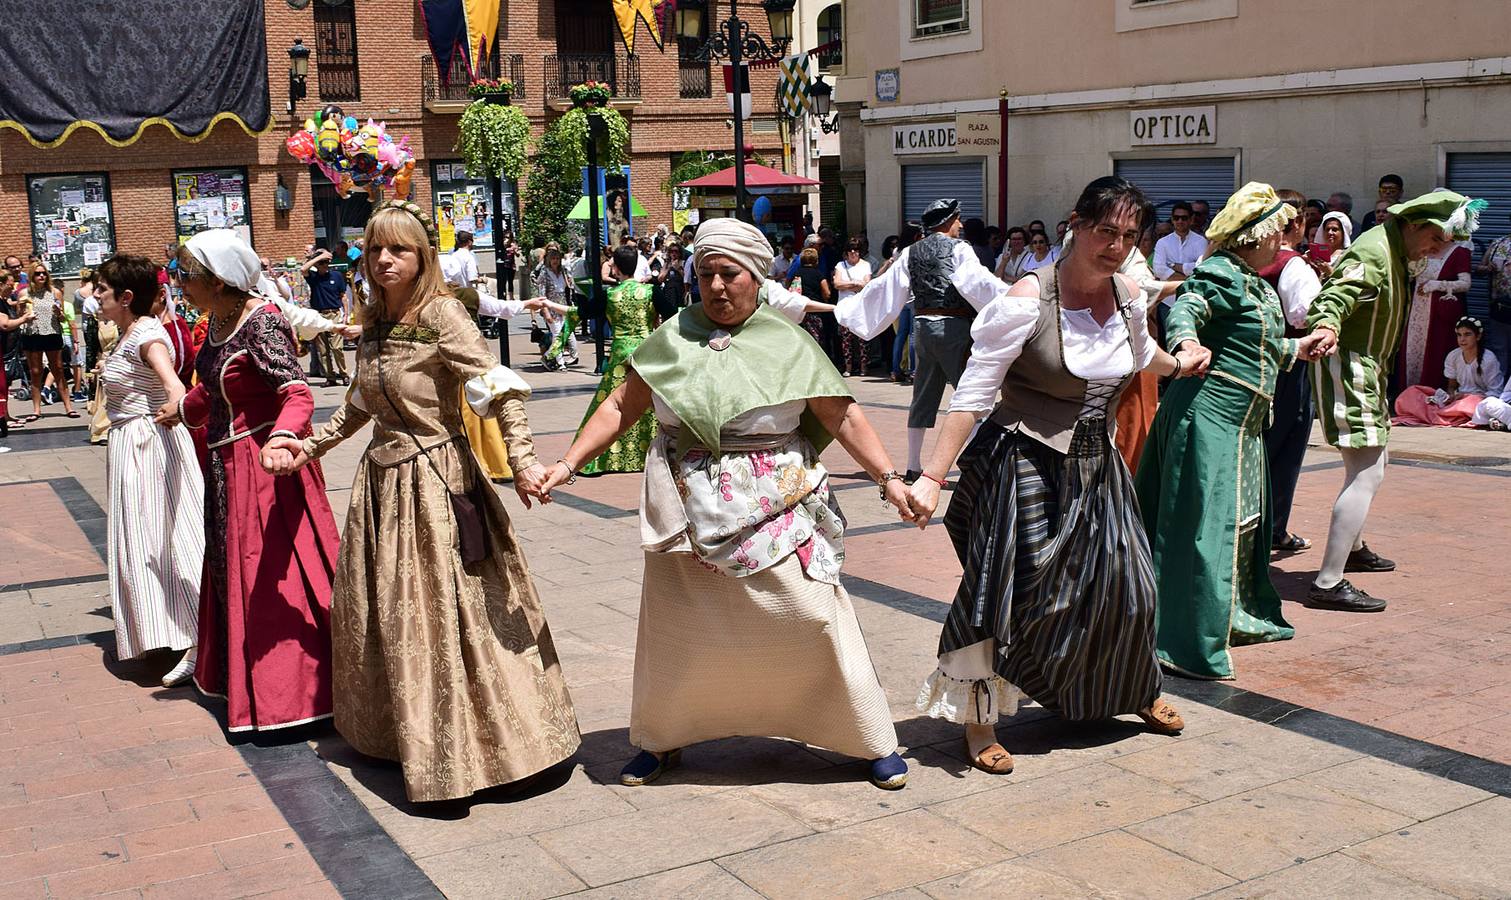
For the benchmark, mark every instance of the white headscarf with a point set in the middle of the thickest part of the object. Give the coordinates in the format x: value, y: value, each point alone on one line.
x: 228, y: 258
x: 742, y: 242
x: 1343, y: 221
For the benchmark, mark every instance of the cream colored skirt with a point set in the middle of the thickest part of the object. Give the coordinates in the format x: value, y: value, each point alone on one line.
x: 771, y: 654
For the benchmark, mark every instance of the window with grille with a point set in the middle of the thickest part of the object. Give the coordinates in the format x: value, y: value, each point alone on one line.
x: 693, y: 79
x: 931, y: 17
x: 336, y: 51
x: 831, y: 30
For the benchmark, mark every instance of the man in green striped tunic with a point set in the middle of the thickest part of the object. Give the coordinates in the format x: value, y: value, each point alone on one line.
x: 1364, y: 305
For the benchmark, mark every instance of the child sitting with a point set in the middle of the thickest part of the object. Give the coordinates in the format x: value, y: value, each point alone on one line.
x: 1494, y: 412
x: 1471, y: 373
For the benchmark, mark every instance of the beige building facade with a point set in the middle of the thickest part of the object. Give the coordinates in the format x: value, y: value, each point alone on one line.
x: 1188, y: 98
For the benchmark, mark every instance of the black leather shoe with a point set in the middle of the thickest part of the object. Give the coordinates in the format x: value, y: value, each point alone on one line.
x: 1343, y: 597
x: 912, y: 476
x: 1367, y: 560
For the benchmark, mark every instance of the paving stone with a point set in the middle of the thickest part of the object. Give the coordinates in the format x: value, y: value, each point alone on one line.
x: 1336, y: 877
x: 684, y: 833
x: 704, y: 881
x: 840, y: 796
x: 718, y: 766
x: 1397, y: 788
x: 1057, y: 809
x: 1236, y: 760
x: 482, y: 871
x: 866, y: 859
x: 1466, y: 853
x: 1121, y: 865
x: 1014, y: 878
x: 1259, y: 831
x: 580, y: 799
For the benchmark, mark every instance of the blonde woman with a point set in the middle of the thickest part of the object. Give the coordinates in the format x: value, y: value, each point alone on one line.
x: 42, y: 339
x: 443, y: 660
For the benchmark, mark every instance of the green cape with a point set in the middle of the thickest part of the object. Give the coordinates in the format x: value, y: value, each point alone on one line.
x: 769, y: 361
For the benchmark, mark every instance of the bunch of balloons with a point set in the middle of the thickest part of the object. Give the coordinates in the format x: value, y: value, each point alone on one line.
x: 354, y: 156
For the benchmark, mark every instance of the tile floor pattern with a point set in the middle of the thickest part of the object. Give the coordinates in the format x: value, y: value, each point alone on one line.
x: 109, y: 784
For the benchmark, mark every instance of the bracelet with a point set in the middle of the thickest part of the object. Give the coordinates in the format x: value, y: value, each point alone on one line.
x: 890, y: 475
x: 1180, y: 366
x: 571, y: 472
x: 932, y: 478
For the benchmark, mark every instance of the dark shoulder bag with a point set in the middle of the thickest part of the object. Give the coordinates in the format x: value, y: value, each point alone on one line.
x: 469, y: 509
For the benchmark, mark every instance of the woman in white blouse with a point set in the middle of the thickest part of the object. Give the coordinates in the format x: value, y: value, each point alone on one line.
x: 1057, y: 599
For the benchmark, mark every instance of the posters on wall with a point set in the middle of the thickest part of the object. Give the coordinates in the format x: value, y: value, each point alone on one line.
x: 71, y: 220
x: 211, y: 198
x: 463, y: 204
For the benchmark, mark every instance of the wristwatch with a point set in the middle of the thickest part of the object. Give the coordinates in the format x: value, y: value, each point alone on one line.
x: 881, y: 483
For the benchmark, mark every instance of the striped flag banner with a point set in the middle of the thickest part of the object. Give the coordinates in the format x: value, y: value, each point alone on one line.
x: 744, y: 91
x: 794, y: 89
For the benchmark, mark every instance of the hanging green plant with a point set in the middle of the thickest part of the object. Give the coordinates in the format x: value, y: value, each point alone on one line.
x: 555, y: 182
x: 492, y: 139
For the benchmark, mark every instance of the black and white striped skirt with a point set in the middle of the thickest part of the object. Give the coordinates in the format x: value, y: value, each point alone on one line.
x: 1057, y: 571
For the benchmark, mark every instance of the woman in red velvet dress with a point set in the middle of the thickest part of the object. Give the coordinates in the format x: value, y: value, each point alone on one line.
x: 271, y: 543
x: 1437, y: 302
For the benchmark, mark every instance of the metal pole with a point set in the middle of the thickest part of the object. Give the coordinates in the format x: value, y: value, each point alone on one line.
x: 595, y: 258
x: 496, y: 187
x: 1002, y: 164
x: 732, y: 27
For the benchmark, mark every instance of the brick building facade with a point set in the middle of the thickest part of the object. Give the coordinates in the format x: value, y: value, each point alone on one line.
x: 546, y: 45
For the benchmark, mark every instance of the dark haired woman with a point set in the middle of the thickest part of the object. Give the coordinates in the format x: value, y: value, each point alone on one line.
x: 1202, y: 483
x: 1471, y: 373
x: 631, y: 312
x: 156, y: 528
x: 1057, y: 600
x: 271, y: 543
x: 42, y: 338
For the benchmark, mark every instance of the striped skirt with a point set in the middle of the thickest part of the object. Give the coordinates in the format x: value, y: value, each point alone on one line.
x: 155, y: 537
x: 1057, y: 575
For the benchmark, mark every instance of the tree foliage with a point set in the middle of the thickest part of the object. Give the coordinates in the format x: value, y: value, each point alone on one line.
x: 555, y: 182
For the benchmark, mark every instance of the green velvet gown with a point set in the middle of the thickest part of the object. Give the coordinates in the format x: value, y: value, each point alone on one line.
x: 632, y: 315
x: 1203, y: 482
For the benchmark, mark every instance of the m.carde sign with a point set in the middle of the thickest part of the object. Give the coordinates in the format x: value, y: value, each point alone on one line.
x: 936, y: 137
x: 1172, y: 125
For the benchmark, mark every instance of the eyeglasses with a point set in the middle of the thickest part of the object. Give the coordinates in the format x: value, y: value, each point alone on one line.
x: 1181, y: 217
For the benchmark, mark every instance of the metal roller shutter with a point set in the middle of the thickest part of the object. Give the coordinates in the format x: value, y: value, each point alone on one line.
x: 923, y: 184
x: 1487, y: 176
x: 1165, y: 181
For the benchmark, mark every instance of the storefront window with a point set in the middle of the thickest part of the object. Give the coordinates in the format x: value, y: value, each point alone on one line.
x: 71, y: 220
x: 211, y: 198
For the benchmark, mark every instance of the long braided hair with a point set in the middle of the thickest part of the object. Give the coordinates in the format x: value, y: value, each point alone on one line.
x: 1478, y: 327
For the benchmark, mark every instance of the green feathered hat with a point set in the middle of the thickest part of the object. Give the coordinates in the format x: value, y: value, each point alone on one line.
x: 1456, y: 214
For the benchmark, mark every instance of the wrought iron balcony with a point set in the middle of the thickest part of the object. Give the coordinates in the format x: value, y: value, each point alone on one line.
x: 621, y: 72
x: 452, y: 96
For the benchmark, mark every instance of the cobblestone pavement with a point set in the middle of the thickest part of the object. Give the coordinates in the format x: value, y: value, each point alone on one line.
x: 1369, y: 757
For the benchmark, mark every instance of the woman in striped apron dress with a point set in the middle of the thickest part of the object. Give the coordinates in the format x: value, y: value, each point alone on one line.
x: 1057, y: 598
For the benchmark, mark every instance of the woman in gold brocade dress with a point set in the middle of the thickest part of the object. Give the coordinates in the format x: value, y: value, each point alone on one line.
x: 443, y: 664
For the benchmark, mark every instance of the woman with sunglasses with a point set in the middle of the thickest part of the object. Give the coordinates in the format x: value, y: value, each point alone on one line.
x: 43, y: 337
x: 1038, y: 253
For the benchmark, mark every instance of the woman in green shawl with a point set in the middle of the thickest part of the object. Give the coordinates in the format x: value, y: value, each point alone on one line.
x: 1203, y: 483
x: 745, y: 628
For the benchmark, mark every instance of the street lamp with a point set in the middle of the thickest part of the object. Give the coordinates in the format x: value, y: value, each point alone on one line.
x: 821, y: 93
x: 299, y: 69
x: 735, y: 41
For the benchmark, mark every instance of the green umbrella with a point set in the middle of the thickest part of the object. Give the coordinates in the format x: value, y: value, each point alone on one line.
x: 580, y: 211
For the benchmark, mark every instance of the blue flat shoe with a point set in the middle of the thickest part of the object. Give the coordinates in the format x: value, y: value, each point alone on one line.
x: 648, y: 766
x: 890, y: 773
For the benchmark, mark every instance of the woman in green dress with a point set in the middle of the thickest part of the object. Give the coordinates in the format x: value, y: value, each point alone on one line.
x: 1202, y: 483
x: 632, y: 315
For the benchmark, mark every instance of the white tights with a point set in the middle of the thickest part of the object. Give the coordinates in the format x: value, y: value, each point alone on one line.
x: 1492, y: 408
x: 1363, y: 472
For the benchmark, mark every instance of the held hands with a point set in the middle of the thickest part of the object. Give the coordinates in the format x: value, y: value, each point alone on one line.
x: 167, y: 414
x: 283, y: 456
x: 1321, y: 342
x: 535, y: 304
x: 896, y: 493
x: 1194, y: 360
x: 923, y: 499
x: 537, y: 481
